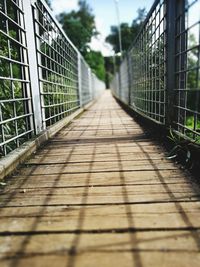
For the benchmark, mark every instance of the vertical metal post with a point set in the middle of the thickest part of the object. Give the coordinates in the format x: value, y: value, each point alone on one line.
x: 33, y: 67
x: 80, y: 80
x: 170, y: 59
x: 114, y: 64
x: 129, y: 77
x: 120, y: 83
x: 182, y: 113
x: 90, y: 83
x: 94, y: 88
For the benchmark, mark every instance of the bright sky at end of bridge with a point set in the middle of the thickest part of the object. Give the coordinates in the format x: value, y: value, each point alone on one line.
x: 105, y: 16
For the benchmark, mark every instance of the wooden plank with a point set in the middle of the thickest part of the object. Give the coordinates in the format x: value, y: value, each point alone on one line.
x: 144, y: 240
x: 84, y: 151
x: 130, y: 249
x: 120, y: 217
x: 97, y: 179
x: 50, y: 159
x: 99, y: 195
x: 90, y: 259
x: 97, y: 167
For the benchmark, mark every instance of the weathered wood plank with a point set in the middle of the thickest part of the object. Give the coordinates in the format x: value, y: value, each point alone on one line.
x: 68, y: 218
x: 143, y: 240
x: 99, y: 195
x: 97, y: 179
x: 130, y: 249
x: 49, y: 158
x: 98, y: 167
x: 119, y: 258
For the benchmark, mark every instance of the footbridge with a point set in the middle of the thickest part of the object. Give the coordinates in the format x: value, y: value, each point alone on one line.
x: 84, y: 180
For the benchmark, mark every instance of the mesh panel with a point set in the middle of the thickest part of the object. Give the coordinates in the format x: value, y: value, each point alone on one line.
x: 58, y: 68
x: 15, y: 96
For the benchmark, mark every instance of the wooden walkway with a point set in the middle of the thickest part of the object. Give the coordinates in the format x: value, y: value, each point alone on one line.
x: 100, y: 194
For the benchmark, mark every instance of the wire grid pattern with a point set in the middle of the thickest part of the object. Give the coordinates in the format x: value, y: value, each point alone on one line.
x: 16, y: 117
x: 124, y: 76
x: 98, y: 86
x: 115, y: 85
x: 86, y: 93
x: 187, y: 75
x: 58, y: 68
x: 148, y: 66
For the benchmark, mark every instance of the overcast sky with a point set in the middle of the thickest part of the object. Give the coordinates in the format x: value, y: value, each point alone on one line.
x: 105, y: 15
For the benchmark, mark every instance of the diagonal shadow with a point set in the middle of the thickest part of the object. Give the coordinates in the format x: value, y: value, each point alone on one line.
x: 180, y: 209
x: 123, y: 124
x: 74, y: 246
x: 137, y: 261
x: 16, y: 260
x: 4, y: 203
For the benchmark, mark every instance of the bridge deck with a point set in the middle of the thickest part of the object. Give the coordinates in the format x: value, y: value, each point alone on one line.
x: 100, y: 194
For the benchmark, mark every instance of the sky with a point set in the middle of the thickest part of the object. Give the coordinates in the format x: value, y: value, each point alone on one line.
x: 105, y: 16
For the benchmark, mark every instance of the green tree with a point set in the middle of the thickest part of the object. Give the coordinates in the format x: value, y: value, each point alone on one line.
x: 97, y: 64
x: 128, y: 33
x: 113, y: 38
x: 79, y: 26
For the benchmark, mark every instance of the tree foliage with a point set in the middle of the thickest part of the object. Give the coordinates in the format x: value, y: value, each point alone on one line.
x: 97, y: 64
x: 79, y: 26
x: 128, y: 33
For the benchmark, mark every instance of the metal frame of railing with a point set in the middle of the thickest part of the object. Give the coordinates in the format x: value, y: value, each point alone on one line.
x: 43, y: 77
x: 16, y: 114
x: 98, y: 86
x: 85, y: 82
x: 57, y: 65
x: 187, y: 69
x: 159, y: 76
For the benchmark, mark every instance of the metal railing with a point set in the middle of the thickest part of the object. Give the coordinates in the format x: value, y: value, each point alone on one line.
x: 43, y: 77
x: 187, y: 70
x: 98, y: 86
x: 58, y: 67
x: 85, y: 82
x: 159, y: 76
x: 16, y: 114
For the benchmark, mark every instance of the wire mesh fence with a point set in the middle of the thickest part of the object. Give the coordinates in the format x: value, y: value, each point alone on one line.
x: 98, y: 86
x: 163, y: 68
x: 58, y: 67
x: 16, y: 115
x: 187, y: 73
x: 124, y: 81
x: 56, y: 85
x: 85, y: 82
